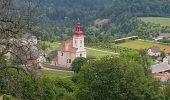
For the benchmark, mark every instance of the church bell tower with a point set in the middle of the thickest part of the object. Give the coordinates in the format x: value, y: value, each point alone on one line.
x: 78, y: 37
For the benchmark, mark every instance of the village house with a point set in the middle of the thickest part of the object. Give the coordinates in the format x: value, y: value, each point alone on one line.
x: 71, y: 48
x: 167, y: 50
x: 162, y: 36
x: 101, y: 22
x: 154, y: 51
x: 164, y: 77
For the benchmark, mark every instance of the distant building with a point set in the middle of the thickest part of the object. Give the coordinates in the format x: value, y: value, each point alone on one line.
x: 167, y: 50
x: 154, y: 51
x: 72, y: 48
x: 121, y: 40
x: 101, y: 22
x: 162, y: 36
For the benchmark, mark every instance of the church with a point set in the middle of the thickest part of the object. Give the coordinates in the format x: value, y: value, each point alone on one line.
x: 72, y: 48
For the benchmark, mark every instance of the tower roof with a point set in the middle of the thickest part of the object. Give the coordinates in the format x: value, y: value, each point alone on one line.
x: 78, y: 31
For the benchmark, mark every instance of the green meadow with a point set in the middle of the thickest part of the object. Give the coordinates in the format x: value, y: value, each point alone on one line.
x: 53, y: 74
x: 141, y: 44
x: 157, y: 20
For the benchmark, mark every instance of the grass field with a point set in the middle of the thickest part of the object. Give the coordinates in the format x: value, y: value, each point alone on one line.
x: 56, y: 74
x: 157, y: 20
x: 141, y: 44
x: 97, y: 54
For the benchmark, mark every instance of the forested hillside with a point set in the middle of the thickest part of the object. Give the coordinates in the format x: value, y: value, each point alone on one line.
x: 60, y: 15
x: 91, y: 9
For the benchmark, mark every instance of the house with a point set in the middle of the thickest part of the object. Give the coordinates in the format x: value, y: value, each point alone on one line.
x: 162, y: 36
x: 167, y: 50
x: 101, y: 22
x: 166, y: 59
x: 160, y: 67
x: 164, y: 77
x: 154, y: 51
x: 72, y: 48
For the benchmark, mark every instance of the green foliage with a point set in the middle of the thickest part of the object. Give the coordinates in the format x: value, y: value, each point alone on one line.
x: 49, y: 58
x: 163, y: 55
x: 118, y: 78
x: 78, y: 63
x: 56, y: 74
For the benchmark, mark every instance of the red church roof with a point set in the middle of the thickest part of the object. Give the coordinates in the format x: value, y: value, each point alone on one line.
x: 78, y: 31
x: 67, y: 46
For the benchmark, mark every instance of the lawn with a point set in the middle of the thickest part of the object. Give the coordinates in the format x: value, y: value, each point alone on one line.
x: 157, y: 20
x: 52, y: 74
x: 141, y: 44
x: 97, y: 54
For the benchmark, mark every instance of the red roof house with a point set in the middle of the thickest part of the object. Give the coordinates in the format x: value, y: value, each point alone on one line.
x: 167, y: 50
x: 154, y: 51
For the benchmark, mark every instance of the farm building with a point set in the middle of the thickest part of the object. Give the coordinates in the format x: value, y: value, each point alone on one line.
x: 126, y: 39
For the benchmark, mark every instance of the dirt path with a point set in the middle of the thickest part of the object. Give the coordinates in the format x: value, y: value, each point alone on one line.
x: 101, y: 50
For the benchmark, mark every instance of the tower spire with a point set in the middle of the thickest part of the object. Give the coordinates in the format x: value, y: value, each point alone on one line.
x: 78, y: 31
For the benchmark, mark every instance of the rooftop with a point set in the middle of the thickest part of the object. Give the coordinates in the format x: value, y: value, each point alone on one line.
x: 67, y: 46
x: 160, y: 67
x: 155, y: 49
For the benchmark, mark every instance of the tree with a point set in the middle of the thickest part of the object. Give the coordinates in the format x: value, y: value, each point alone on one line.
x: 116, y: 78
x: 78, y: 63
x: 163, y: 55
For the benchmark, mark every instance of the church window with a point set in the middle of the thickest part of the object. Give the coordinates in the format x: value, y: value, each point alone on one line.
x: 69, y: 60
x: 62, y: 54
x: 80, y: 55
x: 80, y: 41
